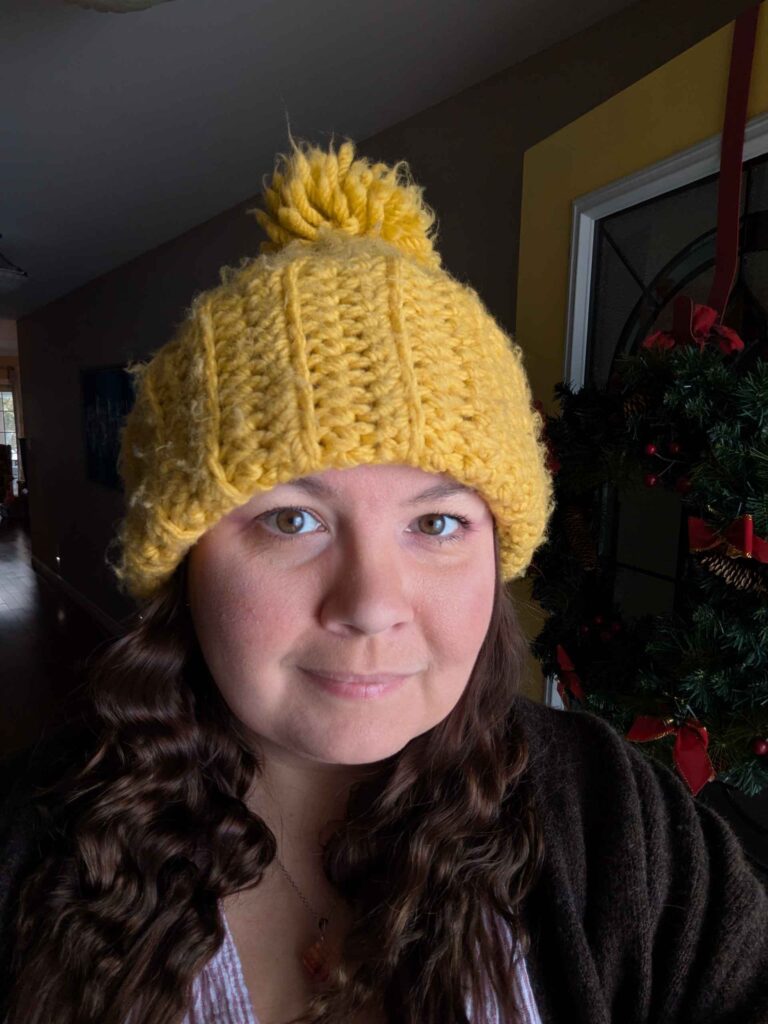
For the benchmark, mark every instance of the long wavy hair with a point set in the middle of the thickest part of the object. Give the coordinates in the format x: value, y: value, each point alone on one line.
x: 148, y: 830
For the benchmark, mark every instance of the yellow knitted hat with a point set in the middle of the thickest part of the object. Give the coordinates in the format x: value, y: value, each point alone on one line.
x: 343, y: 343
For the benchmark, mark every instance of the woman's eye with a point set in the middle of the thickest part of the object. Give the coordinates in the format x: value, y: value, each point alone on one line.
x: 290, y: 520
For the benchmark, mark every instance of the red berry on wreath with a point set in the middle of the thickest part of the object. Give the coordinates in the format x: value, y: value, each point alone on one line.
x: 683, y: 485
x: 650, y: 448
x: 760, y: 747
x: 584, y: 630
x: 650, y: 479
x: 598, y: 620
x: 675, y: 447
x: 615, y: 627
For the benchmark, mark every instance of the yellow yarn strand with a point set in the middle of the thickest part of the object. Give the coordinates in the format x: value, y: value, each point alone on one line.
x: 405, y: 358
x: 298, y: 349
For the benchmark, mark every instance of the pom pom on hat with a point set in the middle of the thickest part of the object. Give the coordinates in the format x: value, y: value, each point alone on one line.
x: 318, y: 191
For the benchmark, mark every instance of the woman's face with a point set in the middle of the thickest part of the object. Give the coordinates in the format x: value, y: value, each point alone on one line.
x: 359, y: 580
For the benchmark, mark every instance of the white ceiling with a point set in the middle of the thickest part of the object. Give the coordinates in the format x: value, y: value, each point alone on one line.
x: 121, y: 131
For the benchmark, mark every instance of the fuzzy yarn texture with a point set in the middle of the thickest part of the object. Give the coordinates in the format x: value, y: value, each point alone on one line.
x: 343, y: 343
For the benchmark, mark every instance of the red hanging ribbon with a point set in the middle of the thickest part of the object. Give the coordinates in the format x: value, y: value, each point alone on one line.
x: 731, y: 157
x: 737, y: 540
x: 690, y: 751
x: 567, y: 678
x: 693, y: 323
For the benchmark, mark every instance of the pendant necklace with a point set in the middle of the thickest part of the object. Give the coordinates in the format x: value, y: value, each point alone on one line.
x: 316, y: 958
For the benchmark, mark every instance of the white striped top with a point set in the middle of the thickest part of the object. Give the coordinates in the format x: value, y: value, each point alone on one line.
x: 220, y: 995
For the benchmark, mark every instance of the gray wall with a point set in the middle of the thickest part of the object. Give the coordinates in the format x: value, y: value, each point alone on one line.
x: 467, y: 151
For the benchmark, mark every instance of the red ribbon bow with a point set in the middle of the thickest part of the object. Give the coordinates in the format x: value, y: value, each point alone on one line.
x: 695, y: 325
x: 738, y: 540
x: 567, y: 678
x: 690, y: 752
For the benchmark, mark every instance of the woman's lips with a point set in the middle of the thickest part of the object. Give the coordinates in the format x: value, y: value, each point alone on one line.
x: 368, y: 688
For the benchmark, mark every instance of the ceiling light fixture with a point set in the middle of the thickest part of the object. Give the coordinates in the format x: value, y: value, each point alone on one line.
x: 11, y: 276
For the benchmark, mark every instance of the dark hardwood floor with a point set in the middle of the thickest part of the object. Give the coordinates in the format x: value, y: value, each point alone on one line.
x: 44, y: 638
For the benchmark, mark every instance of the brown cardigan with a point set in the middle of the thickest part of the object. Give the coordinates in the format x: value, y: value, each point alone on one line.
x: 646, y: 911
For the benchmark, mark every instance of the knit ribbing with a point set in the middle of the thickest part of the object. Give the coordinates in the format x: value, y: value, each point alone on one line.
x: 405, y: 359
x: 211, y: 439
x: 297, y: 349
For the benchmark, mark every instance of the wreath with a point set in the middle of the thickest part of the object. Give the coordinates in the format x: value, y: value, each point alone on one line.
x: 686, y: 414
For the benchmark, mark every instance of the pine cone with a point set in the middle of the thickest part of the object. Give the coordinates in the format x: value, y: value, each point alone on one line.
x: 737, y: 572
x: 635, y: 405
x: 580, y: 537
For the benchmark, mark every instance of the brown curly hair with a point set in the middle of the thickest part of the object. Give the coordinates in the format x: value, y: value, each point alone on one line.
x: 148, y: 830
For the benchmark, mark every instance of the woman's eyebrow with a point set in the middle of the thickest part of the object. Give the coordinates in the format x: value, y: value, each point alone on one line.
x: 322, y: 490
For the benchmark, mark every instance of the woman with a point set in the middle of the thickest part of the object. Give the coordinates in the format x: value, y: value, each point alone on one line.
x: 310, y: 789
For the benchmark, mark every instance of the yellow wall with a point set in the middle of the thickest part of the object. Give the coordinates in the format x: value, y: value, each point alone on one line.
x: 678, y: 105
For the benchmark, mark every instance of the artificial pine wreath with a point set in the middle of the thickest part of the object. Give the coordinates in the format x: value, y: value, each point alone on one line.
x: 687, y: 413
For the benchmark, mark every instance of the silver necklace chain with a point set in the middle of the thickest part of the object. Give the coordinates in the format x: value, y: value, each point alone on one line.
x: 323, y: 921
